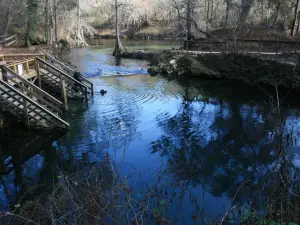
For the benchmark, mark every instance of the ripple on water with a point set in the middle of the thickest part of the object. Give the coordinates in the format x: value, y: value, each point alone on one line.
x: 134, y: 102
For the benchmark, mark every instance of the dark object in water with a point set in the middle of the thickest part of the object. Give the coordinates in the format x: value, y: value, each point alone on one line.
x: 77, y: 77
x: 102, y: 92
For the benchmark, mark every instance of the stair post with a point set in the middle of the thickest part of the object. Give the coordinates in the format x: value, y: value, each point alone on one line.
x: 15, y: 67
x: 4, y: 73
x: 1, y: 120
x: 26, y: 112
x: 63, y: 92
x: 92, y: 87
x: 37, y: 69
x: 27, y: 66
x: 86, y: 94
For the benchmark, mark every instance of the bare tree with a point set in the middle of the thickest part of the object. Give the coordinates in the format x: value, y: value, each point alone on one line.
x: 118, y: 46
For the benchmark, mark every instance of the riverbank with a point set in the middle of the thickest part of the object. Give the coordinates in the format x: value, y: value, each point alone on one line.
x: 157, y: 31
x: 275, y: 70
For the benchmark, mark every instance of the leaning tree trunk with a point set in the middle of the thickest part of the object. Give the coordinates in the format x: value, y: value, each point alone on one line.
x: 295, y: 18
x: 118, y: 47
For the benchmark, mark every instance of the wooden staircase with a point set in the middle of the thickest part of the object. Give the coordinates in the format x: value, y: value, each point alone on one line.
x: 29, y: 103
x: 27, y: 83
x: 56, y: 78
x: 50, y: 59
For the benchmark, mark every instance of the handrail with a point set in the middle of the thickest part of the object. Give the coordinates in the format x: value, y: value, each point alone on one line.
x: 7, y: 39
x: 20, y: 62
x: 36, y: 104
x: 63, y: 73
x: 39, y: 90
x: 72, y: 71
x: 22, y: 55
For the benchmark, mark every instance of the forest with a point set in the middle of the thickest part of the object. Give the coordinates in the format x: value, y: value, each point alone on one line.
x: 48, y: 21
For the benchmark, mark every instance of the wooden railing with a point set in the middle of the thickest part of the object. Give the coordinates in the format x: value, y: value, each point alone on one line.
x: 27, y: 64
x: 31, y: 105
x: 27, y: 87
x: 9, y: 58
x: 63, y: 78
x: 7, y: 41
x: 70, y: 71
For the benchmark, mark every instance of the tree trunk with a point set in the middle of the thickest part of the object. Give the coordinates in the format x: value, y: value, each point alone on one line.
x: 262, y: 12
x: 295, y: 18
x: 47, y: 25
x: 189, y: 19
x: 118, y: 47
x: 32, y: 8
x: 227, y: 13
x: 207, y: 14
x: 7, y: 21
x: 276, y: 15
x: 212, y: 10
x: 55, y: 21
x: 297, y: 30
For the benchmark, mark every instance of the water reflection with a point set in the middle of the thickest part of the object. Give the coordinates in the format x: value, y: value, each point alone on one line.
x: 225, y: 145
x: 23, y: 164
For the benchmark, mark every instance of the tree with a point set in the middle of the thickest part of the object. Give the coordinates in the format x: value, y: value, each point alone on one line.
x: 118, y: 46
x: 32, y: 13
x: 189, y: 19
x: 295, y: 18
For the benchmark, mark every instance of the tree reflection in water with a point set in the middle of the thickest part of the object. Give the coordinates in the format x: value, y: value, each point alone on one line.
x: 241, y: 151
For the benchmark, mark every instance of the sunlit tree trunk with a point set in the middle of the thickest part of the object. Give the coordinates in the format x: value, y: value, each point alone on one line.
x: 295, y: 18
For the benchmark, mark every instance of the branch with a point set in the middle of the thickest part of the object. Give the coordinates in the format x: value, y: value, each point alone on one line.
x: 177, y: 8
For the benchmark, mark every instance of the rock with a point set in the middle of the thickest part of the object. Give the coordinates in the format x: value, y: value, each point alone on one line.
x: 103, y: 92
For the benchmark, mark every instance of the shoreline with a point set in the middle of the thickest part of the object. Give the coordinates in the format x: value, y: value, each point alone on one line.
x: 279, y: 71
